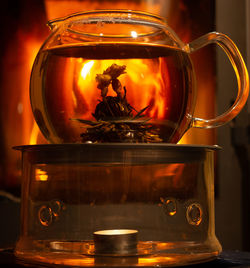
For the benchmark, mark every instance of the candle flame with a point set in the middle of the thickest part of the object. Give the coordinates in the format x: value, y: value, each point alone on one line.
x: 116, y: 232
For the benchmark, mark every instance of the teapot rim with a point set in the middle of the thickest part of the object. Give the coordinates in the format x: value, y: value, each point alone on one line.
x: 51, y: 23
x: 148, y: 18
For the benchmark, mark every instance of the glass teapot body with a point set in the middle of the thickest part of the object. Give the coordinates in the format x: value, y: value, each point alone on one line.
x: 113, y: 76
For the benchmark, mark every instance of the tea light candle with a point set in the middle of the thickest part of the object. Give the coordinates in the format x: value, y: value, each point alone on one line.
x: 117, y: 241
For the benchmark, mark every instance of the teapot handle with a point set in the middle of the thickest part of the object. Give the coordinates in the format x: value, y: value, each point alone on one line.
x: 241, y: 74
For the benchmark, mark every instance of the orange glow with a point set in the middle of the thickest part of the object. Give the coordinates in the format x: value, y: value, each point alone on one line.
x: 19, y: 57
x: 155, y: 260
x: 56, y: 9
x: 179, y: 20
x: 41, y: 175
x: 171, y: 170
x: 18, y: 80
x: 17, y: 115
x: 32, y: 48
x: 86, y: 69
x: 59, y: 260
x: 148, y: 78
x: 34, y: 134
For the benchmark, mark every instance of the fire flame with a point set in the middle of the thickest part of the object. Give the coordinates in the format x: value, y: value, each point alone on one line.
x: 18, y: 58
x: 150, y: 84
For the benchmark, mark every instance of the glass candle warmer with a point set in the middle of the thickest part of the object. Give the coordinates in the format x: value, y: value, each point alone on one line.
x: 117, y: 204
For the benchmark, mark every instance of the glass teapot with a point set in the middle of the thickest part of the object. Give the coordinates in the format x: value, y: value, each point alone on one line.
x: 122, y: 76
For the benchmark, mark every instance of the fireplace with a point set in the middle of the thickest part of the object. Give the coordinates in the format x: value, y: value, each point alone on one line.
x: 29, y: 31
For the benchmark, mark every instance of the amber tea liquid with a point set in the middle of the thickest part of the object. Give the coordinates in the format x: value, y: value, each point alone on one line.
x: 157, y: 77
